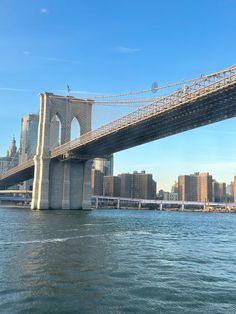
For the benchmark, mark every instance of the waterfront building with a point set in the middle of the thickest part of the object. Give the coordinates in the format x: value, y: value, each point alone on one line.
x: 111, y: 186
x: 144, y: 187
x: 167, y: 196
x: 205, y: 187
x: 138, y: 185
x: 97, y: 182
x: 218, y: 191
x: 126, y: 185
x: 183, y: 184
x: 235, y: 189
x: 195, y: 187
x: 230, y: 191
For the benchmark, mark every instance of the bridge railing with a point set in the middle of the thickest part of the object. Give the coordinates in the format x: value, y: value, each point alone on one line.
x: 200, y: 87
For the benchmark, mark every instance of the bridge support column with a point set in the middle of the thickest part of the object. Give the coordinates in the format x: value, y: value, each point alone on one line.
x: 63, y: 185
x: 87, y: 167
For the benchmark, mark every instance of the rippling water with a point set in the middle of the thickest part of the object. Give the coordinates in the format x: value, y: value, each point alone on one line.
x: 117, y: 261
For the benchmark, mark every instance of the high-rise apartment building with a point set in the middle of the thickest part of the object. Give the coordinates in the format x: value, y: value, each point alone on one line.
x: 111, y: 186
x: 218, y: 191
x: 205, y: 187
x: 230, y: 192
x: 138, y: 185
x: 234, y: 189
x: 195, y: 187
x: 126, y: 185
x: 144, y: 187
x: 97, y: 182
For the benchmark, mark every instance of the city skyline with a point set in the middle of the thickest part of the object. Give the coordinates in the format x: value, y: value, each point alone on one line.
x: 34, y: 59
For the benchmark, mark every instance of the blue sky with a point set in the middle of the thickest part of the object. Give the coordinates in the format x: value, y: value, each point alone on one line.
x: 112, y: 46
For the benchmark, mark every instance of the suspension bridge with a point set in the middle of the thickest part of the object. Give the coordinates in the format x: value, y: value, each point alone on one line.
x: 189, y: 104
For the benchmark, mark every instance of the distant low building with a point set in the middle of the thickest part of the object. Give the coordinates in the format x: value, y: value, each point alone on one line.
x: 167, y: 196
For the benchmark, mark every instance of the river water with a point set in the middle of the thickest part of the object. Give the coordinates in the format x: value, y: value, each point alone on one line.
x: 117, y: 261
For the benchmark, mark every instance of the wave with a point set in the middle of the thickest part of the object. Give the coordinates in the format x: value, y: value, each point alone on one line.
x: 55, y: 240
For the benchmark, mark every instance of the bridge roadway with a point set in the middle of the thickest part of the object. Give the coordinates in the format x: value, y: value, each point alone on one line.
x: 208, y: 100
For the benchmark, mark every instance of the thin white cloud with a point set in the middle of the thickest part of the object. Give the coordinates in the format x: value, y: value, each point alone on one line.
x: 126, y: 50
x: 44, y: 10
x: 12, y: 89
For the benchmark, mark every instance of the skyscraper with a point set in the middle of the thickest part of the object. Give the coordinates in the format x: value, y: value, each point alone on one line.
x: 29, y: 136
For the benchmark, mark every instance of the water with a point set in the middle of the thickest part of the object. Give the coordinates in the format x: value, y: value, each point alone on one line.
x: 117, y: 261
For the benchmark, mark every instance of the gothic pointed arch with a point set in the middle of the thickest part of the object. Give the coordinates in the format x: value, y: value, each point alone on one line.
x: 55, y: 131
x: 75, y: 128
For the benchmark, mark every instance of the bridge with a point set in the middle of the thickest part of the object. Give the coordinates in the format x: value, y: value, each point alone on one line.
x: 119, y: 202
x: 62, y: 175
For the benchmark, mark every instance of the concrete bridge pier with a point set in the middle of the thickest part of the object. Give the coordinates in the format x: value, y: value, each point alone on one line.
x: 63, y: 185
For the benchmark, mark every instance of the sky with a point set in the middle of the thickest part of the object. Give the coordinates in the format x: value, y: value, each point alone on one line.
x: 104, y: 47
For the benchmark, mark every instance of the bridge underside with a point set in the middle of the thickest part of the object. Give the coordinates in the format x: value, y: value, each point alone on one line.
x: 18, y: 177
x: 208, y: 109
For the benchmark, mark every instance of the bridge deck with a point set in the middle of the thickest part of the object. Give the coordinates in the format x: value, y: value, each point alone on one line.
x: 206, y: 101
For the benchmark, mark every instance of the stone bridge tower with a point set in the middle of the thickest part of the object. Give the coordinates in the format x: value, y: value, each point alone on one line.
x: 61, y: 183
